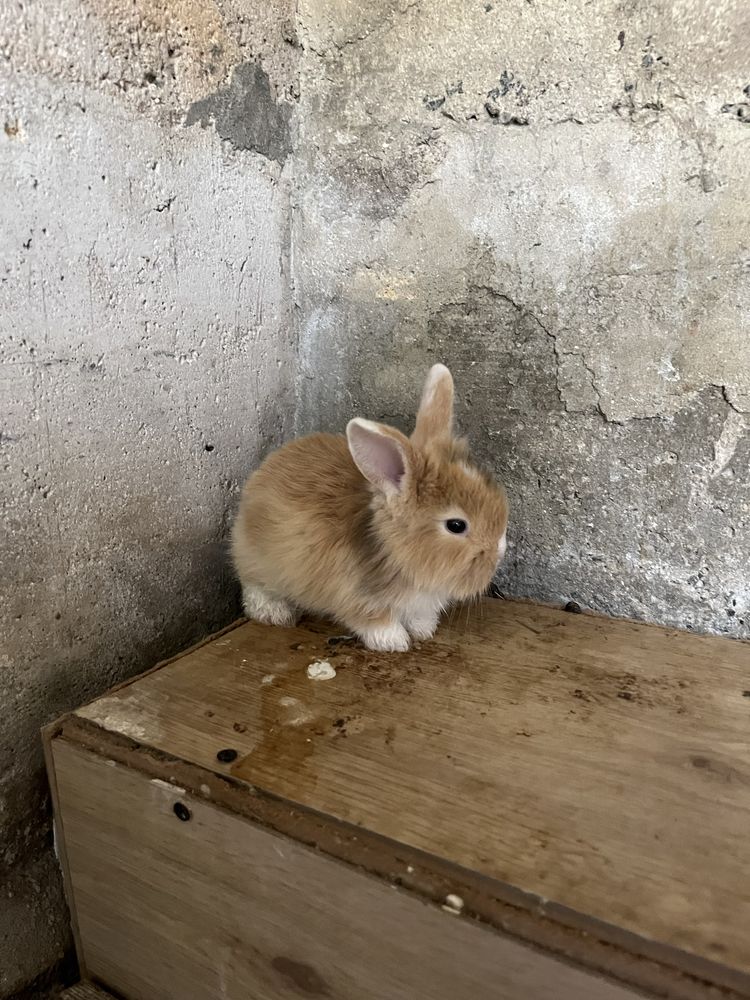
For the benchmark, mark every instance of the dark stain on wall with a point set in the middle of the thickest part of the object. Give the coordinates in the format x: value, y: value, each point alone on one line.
x: 246, y: 114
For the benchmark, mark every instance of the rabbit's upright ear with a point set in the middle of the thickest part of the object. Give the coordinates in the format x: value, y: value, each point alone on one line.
x: 382, y: 455
x: 435, y: 416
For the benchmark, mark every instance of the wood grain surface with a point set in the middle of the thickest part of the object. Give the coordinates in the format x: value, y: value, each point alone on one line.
x: 212, y: 907
x: 87, y: 991
x: 599, y: 767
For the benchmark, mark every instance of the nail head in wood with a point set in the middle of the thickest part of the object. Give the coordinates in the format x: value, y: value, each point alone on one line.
x: 181, y: 811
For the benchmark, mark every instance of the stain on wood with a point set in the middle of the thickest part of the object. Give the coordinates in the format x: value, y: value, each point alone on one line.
x: 221, y: 909
x: 303, y: 976
x: 569, y: 776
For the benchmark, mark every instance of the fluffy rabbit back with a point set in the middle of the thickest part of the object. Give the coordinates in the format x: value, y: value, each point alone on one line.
x: 300, y: 540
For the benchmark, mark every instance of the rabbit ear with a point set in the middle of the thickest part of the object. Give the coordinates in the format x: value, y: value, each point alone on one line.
x: 379, y: 454
x: 435, y: 416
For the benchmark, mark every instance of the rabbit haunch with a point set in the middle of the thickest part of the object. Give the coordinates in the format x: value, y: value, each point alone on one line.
x: 373, y: 529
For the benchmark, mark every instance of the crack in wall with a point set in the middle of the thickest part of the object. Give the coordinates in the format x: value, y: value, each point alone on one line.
x: 558, y: 353
x: 386, y: 24
x: 729, y: 401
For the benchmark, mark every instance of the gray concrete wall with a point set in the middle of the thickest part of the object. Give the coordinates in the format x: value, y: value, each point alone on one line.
x: 551, y: 198
x: 147, y: 360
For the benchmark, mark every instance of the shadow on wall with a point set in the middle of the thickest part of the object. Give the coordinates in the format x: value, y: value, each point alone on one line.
x: 589, y: 528
x: 162, y: 581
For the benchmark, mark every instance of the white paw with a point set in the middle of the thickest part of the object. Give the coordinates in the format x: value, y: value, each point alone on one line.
x: 261, y: 607
x: 386, y: 638
x: 423, y: 627
x: 420, y: 615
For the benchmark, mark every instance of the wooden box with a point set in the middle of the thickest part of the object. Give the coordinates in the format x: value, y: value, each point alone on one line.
x: 534, y: 804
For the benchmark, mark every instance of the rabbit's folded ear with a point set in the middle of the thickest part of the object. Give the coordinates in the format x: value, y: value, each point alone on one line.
x: 381, y: 454
x: 435, y: 416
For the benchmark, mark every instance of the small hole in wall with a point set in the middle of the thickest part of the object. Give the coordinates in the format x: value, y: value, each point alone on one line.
x: 58, y: 616
x: 208, y: 447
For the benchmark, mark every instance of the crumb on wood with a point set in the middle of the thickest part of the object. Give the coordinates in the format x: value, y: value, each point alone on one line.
x: 453, y: 903
x: 321, y: 670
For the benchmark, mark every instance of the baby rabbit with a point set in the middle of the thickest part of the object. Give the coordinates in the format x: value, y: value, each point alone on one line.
x: 375, y: 530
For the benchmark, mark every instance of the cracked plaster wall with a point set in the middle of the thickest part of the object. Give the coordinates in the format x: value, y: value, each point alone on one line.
x: 552, y: 199
x: 146, y: 361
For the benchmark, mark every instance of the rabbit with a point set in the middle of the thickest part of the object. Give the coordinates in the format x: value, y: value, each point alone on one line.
x: 376, y: 530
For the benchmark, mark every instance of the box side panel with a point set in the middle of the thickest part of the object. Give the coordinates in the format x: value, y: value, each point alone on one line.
x: 199, y: 904
x: 611, y: 755
x: 49, y: 743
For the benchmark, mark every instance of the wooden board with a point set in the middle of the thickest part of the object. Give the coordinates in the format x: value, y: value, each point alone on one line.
x: 85, y: 991
x: 59, y: 841
x: 216, y: 908
x: 594, y: 773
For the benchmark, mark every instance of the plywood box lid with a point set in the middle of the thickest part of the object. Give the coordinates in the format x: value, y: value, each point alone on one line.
x: 580, y: 782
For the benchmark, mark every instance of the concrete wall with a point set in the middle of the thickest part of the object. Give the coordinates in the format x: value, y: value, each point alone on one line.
x: 551, y: 198
x: 146, y: 361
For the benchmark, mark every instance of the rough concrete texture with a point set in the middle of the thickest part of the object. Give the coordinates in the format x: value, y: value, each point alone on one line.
x: 552, y: 199
x: 147, y: 359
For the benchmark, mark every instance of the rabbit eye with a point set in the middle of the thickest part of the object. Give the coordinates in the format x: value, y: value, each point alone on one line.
x: 456, y: 526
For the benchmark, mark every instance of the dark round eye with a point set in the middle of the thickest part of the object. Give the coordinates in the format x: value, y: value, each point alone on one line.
x: 456, y: 525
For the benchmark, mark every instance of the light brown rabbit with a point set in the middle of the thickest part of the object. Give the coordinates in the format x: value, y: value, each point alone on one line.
x: 376, y: 530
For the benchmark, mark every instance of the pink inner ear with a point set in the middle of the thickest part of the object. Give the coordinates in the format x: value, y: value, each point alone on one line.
x: 383, y: 456
x: 378, y: 457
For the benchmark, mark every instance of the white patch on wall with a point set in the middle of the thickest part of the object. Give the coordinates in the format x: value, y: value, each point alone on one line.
x: 668, y: 371
x: 734, y: 429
